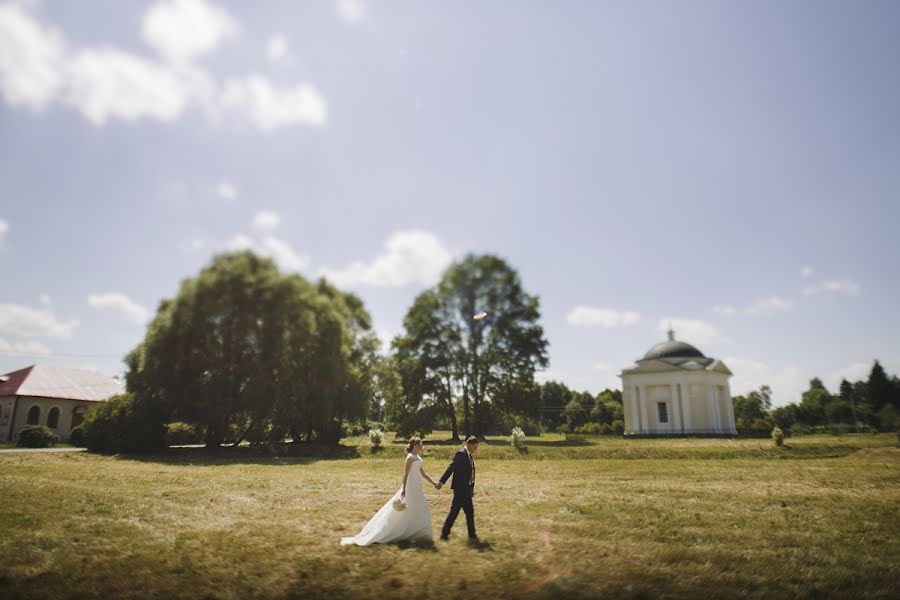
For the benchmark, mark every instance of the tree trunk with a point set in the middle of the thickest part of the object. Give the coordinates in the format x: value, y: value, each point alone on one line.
x: 215, y: 431
x: 246, y: 431
x: 453, y: 425
x: 467, y: 420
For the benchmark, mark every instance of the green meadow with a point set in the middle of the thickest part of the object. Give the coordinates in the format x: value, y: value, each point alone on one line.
x: 605, y: 517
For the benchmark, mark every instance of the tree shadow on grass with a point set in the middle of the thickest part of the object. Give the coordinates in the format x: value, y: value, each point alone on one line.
x: 267, y: 454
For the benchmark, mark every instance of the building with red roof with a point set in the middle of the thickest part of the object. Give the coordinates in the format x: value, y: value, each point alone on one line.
x: 53, y: 396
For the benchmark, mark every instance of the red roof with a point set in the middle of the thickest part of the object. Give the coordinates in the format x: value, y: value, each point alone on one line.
x: 57, y: 382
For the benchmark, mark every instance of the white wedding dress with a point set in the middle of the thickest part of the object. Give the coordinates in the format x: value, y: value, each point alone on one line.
x: 391, y: 525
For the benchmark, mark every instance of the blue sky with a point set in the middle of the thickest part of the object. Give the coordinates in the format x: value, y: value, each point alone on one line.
x: 730, y: 167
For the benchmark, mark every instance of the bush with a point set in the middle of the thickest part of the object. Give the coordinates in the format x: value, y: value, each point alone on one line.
x: 564, y: 428
x: 589, y: 429
x: 180, y: 434
x: 124, y: 424
x: 618, y: 426
x: 376, y: 438
x: 36, y: 436
x: 778, y: 436
x: 518, y: 438
x: 76, y: 436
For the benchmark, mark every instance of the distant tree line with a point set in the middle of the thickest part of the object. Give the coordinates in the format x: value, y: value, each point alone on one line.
x: 245, y: 352
x: 873, y: 403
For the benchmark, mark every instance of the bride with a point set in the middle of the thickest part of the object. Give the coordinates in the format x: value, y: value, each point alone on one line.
x: 412, y: 522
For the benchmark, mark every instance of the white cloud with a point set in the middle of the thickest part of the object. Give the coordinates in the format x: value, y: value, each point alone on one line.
x: 842, y: 286
x: 787, y: 384
x: 726, y: 310
x: 588, y: 316
x: 602, y: 366
x: 29, y: 348
x: 106, y: 83
x: 227, y: 191
x: 269, y: 107
x: 806, y: 272
x: 29, y: 322
x: 181, y: 30
x: 4, y: 227
x: 854, y: 372
x: 240, y: 242
x: 31, y: 59
x: 275, y: 248
x: 692, y: 331
x: 266, y: 220
x: 407, y: 257
x: 121, y: 305
x: 547, y: 375
x: 45, y: 299
x: 283, y: 254
x: 768, y: 306
x: 351, y: 11
x: 276, y: 47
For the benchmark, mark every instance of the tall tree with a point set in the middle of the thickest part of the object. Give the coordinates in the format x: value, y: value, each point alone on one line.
x: 812, y: 405
x: 881, y: 391
x: 476, y: 360
x: 241, y: 344
x: 554, y: 397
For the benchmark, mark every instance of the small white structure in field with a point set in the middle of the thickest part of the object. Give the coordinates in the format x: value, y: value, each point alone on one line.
x: 676, y: 390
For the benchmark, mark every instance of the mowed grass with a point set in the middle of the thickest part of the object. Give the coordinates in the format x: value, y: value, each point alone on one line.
x: 604, y: 518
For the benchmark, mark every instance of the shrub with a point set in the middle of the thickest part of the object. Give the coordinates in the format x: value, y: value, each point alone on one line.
x: 124, y: 424
x: 180, y: 434
x: 589, y: 429
x: 564, y: 428
x: 618, y: 426
x: 518, y: 438
x: 36, y: 436
x: 800, y: 429
x: 76, y: 436
x: 778, y: 436
x: 376, y: 438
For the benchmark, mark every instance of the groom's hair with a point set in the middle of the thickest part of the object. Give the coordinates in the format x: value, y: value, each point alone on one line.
x: 471, y: 440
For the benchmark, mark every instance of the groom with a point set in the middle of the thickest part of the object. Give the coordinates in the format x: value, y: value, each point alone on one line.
x: 463, y: 470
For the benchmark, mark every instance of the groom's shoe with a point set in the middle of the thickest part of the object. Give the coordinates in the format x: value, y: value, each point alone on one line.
x: 444, y: 537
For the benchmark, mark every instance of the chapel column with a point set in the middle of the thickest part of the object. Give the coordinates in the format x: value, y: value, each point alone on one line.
x: 729, y: 410
x: 676, y: 409
x: 644, y: 409
x: 635, y: 415
x: 714, y: 406
x: 686, y: 404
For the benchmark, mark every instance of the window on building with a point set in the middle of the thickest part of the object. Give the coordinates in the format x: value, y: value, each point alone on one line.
x: 77, y: 416
x: 53, y: 418
x: 34, y: 415
x: 663, y: 411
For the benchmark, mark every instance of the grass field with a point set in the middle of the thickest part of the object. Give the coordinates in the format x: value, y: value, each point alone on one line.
x: 604, y: 518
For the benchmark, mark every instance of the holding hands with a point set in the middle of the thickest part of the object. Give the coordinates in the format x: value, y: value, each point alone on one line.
x: 438, y: 485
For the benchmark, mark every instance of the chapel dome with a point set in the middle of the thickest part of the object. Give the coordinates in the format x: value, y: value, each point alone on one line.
x: 671, y: 348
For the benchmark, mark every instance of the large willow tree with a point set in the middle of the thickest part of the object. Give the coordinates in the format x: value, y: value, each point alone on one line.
x: 243, y: 344
x: 471, y: 362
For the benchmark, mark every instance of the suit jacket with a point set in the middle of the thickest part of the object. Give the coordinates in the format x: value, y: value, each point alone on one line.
x: 462, y: 471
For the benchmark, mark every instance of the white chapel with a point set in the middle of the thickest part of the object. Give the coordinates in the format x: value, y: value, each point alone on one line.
x: 676, y: 390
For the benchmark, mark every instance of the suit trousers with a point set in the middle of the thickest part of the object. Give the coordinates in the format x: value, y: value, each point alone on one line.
x: 460, y: 501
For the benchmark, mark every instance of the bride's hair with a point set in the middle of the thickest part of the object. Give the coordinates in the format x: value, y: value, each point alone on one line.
x: 413, y: 442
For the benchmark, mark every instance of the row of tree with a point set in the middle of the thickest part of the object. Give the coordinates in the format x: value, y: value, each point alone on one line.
x: 245, y: 351
x: 873, y: 402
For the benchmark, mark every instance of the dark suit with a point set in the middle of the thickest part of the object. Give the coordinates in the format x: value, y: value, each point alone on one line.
x: 463, y: 471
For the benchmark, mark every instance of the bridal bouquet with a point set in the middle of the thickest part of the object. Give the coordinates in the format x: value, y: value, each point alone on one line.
x: 399, y: 504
